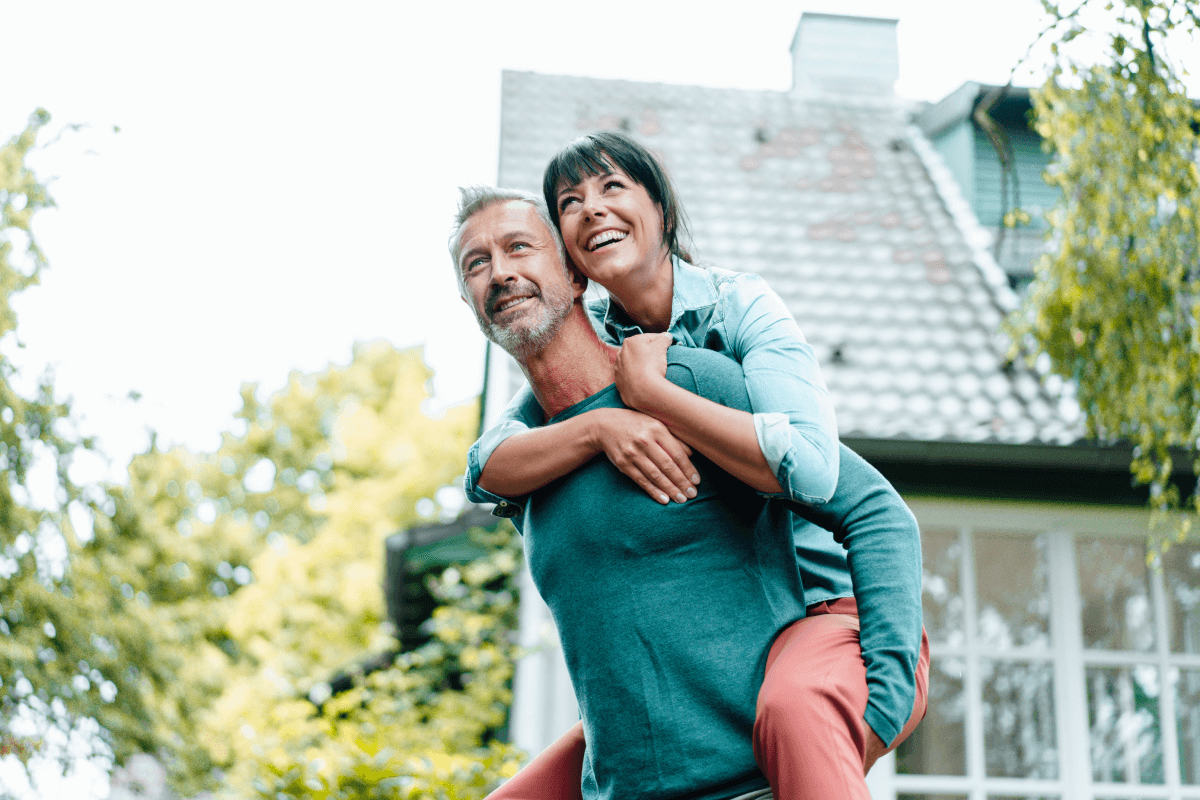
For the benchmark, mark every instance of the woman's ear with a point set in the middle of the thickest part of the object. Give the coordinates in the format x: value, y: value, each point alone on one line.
x: 579, y: 281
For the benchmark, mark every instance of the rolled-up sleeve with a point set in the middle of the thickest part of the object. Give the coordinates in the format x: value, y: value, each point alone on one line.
x: 793, y: 415
x: 522, y: 413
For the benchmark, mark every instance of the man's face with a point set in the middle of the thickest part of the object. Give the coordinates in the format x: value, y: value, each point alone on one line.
x: 513, y: 277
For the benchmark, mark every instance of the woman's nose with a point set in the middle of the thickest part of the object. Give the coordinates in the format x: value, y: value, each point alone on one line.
x: 592, y: 207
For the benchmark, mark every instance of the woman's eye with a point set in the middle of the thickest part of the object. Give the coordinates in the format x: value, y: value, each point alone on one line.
x: 614, y: 184
x: 566, y: 201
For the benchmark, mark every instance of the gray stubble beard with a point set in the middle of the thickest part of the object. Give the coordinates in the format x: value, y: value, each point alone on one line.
x: 523, y: 342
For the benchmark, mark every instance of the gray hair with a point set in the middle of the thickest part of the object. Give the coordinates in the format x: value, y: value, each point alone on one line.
x: 474, y: 199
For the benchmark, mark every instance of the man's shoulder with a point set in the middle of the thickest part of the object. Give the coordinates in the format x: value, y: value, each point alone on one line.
x: 708, y: 374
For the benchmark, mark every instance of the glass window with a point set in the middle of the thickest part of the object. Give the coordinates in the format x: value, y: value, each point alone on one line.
x: 1115, y: 595
x: 931, y: 797
x: 1181, y: 571
x: 938, y: 745
x: 1012, y: 590
x: 1187, y: 717
x: 1123, y: 717
x: 940, y: 592
x: 1018, y: 719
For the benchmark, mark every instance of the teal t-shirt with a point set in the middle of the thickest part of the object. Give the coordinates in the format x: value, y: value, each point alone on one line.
x: 665, y: 613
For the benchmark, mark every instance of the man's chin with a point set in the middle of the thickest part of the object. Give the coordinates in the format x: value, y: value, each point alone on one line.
x: 519, y: 341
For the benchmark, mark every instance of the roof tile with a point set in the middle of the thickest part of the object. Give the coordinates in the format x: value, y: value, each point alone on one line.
x: 847, y: 211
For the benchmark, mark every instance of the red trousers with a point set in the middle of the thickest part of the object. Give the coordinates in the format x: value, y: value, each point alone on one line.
x: 810, y: 739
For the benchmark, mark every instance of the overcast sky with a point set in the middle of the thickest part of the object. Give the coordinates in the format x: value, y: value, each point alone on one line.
x: 284, y: 173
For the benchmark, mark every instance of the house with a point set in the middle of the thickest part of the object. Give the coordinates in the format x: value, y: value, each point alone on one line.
x: 984, y: 136
x: 1063, y: 666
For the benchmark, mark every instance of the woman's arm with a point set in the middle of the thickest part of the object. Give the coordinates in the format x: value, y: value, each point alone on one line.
x: 726, y: 436
x: 519, y: 455
x: 638, y: 445
x: 793, y: 414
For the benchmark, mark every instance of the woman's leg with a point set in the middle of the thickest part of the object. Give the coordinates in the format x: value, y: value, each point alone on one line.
x: 556, y: 774
x: 809, y: 734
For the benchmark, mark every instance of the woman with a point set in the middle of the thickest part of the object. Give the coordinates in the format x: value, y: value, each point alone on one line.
x: 622, y: 225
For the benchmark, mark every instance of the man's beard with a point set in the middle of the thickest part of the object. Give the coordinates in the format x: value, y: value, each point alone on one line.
x: 527, y: 334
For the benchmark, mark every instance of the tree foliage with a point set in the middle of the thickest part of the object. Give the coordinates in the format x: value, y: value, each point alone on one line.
x: 67, y: 636
x: 264, y: 558
x: 1115, y: 301
x: 198, y: 612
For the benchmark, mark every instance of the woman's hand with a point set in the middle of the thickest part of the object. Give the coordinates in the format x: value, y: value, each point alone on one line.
x: 641, y: 364
x: 644, y: 450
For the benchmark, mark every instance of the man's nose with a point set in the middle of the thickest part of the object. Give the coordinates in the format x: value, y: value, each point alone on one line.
x: 502, y: 271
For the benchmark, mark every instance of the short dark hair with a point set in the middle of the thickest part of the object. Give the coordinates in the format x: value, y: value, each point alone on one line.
x: 598, y: 153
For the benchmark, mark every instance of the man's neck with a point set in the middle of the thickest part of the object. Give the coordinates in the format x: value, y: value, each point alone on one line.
x: 572, y: 367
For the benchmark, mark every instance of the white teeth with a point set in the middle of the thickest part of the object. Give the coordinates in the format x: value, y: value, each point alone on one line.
x: 507, y: 304
x: 604, y: 237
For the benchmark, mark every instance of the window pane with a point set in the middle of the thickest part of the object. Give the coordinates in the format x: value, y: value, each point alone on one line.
x: 940, y: 593
x: 1123, y: 716
x: 1021, y: 797
x: 1018, y: 719
x: 931, y: 797
x: 1115, y: 592
x: 1181, y: 569
x: 1011, y: 586
x: 1187, y: 715
x: 938, y: 745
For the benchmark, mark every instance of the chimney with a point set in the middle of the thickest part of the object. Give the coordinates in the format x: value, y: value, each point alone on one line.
x: 835, y: 55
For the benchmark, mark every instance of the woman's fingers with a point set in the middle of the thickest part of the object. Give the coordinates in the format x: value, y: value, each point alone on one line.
x: 667, y: 478
x: 644, y: 450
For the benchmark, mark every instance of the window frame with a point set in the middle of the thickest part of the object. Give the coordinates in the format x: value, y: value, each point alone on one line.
x: 1062, y: 524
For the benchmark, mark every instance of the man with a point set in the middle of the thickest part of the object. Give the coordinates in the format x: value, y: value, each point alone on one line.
x: 672, y: 618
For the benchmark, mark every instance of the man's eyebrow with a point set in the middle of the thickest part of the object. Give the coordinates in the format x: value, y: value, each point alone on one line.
x: 469, y: 254
x: 521, y: 234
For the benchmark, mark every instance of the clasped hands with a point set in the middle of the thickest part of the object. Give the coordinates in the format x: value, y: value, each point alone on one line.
x: 636, y: 443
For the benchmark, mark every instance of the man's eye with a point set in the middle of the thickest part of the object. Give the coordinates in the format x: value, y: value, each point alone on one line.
x: 519, y: 246
x: 473, y: 263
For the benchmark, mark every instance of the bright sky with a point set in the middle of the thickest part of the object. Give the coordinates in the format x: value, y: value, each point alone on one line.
x: 284, y: 174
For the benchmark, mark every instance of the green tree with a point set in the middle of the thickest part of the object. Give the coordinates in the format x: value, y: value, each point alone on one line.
x: 264, y: 561
x: 1115, y: 303
x: 68, y: 636
x: 197, y: 612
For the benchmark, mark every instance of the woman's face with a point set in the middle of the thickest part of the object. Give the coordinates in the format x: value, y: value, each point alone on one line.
x: 611, y: 227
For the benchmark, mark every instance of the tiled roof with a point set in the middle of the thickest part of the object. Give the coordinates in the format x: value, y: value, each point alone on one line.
x: 847, y: 212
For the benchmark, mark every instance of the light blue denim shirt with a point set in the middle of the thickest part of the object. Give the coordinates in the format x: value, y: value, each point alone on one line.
x: 738, y: 315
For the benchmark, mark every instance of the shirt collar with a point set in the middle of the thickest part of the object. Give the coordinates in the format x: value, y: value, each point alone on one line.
x: 692, y: 290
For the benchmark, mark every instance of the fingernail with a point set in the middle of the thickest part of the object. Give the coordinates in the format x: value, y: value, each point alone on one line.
x: 680, y: 498
x: 691, y: 492
x: 662, y: 498
x: 695, y: 478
